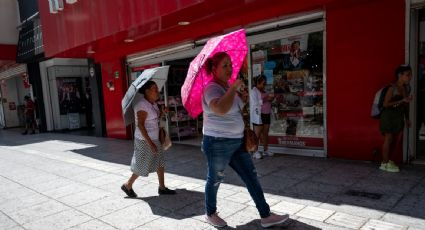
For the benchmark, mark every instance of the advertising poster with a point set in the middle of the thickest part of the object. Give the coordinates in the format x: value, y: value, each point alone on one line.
x: 294, y: 50
x: 69, y: 94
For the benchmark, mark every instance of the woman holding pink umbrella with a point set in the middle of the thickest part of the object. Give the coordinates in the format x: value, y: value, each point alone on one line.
x: 222, y: 142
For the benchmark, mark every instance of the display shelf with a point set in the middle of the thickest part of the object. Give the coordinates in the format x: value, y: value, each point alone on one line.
x: 181, y: 124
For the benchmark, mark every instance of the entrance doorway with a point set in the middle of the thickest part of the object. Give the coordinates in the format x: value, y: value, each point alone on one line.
x: 182, y: 127
x: 420, y: 82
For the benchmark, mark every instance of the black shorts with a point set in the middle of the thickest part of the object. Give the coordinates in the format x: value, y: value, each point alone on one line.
x: 265, y: 118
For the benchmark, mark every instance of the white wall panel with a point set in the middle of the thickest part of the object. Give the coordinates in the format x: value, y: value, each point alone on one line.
x: 9, y: 18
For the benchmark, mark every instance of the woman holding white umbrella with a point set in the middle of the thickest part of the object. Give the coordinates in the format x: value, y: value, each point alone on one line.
x: 148, y: 154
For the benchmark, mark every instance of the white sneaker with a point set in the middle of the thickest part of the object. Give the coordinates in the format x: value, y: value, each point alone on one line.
x: 257, y: 155
x: 268, y: 153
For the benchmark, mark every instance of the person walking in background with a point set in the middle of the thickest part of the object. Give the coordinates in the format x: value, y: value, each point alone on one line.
x: 222, y: 142
x: 29, y: 114
x: 260, y: 110
x: 148, y: 154
x: 394, y: 115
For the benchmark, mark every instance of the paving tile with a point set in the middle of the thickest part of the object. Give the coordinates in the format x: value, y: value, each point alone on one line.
x: 22, y: 202
x: 222, y: 192
x: 315, y: 213
x: 71, y: 188
x: 105, y: 179
x: 93, y: 225
x: 174, y: 202
x: 385, y: 203
x: 6, y: 222
x: 346, y: 220
x: 190, y: 186
x: 269, y: 183
x: 133, y: 216
x: 240, y: 197
x: 16, y: 228
x: 407, y: 220
x: 59, y: 221
x: 285, y: 207
x: 298, y: 199
x: 106, y: 205
x: 381, y: 225
x: 18, y: 192
x: 354, y: 210
x: 81, y: 198
x: 50, y: 185
x: 175, y: 222
x: 38, y: 211
x: 270, y: 199
x: 309, y: 224
x: 247, y: 218
x: 86, y: 175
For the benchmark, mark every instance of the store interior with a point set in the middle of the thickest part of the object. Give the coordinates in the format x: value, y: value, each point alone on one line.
x: 182, y: 127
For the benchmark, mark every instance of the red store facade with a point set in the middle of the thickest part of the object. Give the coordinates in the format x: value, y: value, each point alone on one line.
x: 350, y: 49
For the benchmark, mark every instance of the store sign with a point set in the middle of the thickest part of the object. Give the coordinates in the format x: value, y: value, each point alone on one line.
x: 58, y: 5
x: 296, y: 142
x: 141, y: 68
x: 25, y: 80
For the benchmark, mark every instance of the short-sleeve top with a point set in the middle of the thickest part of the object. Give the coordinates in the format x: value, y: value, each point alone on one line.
x: 266, y: 107
x: 229, y: 125
x: 152, y: 120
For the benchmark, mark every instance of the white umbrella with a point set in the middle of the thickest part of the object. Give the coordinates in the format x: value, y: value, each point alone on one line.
x: 158, y: 75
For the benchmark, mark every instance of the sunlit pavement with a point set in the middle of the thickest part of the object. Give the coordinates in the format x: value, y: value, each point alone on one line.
x: 58, y: 181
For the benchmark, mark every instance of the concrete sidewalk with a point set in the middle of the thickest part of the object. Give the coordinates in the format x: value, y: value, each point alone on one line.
x: 58, y: 181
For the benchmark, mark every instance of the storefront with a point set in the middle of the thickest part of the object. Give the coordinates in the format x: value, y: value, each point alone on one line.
x: 290, y: 54
x: 66, y: 89
x: 14, y: 86
x: 324, y: 60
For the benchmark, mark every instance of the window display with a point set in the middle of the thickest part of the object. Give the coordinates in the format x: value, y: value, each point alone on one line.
x: 294, y: 71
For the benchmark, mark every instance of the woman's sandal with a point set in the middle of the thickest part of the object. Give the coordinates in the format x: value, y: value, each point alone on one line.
x: 130, y: 193
x: 166, y: 191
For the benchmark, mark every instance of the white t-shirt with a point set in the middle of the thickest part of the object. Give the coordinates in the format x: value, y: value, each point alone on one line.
x: 255, y: 102
x: 151, y: 122
x: 231, y: 124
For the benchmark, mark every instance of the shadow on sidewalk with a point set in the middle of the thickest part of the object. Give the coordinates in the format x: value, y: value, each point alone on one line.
x: 188, y: 204
x: 345, y: 186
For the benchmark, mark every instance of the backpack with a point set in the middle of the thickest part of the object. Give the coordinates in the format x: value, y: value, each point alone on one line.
x: 378, y: 102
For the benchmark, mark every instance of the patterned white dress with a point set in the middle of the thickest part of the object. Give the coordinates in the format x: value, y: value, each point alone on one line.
x: 144, y: 161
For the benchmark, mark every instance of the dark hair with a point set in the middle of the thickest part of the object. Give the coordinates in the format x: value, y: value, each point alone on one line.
x: 26, y: 97
x: 214, y: 60
x: 146, y: 86
x: 401, y: 69
x: 260, y: 79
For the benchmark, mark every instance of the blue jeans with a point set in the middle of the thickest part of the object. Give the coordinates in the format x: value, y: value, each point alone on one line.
x: 221, y: 152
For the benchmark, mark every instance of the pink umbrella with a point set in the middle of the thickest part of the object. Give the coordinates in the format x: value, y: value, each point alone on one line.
x: 197, y: 77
